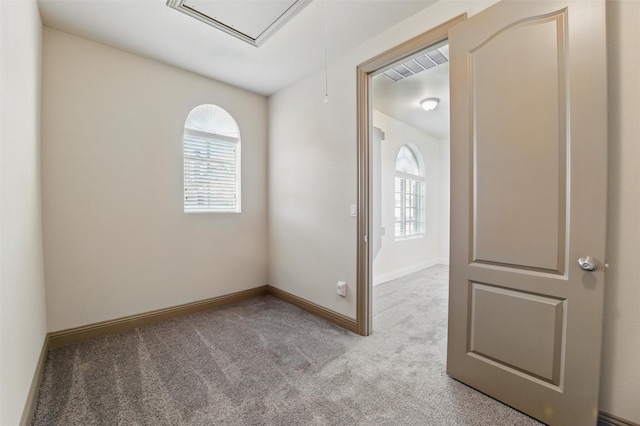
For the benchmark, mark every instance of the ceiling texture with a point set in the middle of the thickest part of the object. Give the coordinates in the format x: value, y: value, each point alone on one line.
x: 295, y: 49
x: 292, y: 49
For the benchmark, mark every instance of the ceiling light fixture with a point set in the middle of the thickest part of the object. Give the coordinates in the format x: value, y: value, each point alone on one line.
x: 429, y: 104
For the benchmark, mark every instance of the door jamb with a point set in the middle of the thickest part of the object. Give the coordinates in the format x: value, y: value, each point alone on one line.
x: 364, y: 74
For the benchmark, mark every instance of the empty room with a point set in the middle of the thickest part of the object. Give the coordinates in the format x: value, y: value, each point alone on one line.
x: 195, y: 214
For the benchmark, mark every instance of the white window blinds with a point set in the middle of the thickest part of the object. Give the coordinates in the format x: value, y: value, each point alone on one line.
x: 211, y: 172
x: 409, y: 207
x: 211, y: 150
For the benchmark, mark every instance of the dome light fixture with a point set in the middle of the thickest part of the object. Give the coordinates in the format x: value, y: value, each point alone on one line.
x: 429, y: 104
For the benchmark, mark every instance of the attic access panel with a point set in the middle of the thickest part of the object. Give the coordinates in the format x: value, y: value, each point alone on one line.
x: 252, y: 21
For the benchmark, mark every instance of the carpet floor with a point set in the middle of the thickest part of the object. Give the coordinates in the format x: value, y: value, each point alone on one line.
x: 265, y: 362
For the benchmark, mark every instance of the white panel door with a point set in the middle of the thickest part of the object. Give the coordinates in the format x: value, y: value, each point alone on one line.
x: 528, y: 194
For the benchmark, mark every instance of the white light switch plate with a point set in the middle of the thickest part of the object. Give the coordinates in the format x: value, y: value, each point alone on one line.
x: 342, y: 288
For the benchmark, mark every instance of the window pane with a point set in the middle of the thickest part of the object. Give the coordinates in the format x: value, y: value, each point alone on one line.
x: 406, y: 161
x: 409, y: 208
x: 211, y: 153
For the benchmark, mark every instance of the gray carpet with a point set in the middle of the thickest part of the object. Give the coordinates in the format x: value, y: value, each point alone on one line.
x: 265, y: 362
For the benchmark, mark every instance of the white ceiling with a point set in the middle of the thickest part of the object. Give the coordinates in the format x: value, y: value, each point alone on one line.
x: 401, y: 99
x: 151, y: 29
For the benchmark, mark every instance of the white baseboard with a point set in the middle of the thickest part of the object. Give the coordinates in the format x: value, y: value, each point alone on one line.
x: 383, y: 278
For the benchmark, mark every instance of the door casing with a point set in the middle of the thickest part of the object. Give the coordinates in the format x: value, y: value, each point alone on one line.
x: 365, y: 72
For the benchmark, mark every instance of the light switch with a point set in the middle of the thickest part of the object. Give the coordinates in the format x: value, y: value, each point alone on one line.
x: 342, y: 288
x: 353, y: 210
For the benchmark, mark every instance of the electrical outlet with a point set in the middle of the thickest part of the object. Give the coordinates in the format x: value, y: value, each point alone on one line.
x: 342, y: 288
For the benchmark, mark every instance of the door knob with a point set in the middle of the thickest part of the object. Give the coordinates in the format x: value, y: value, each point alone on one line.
x: 588, y: 263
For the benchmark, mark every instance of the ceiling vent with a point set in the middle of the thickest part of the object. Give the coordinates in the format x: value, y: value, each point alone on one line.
x: 252, y: 22
x: 433, y: 58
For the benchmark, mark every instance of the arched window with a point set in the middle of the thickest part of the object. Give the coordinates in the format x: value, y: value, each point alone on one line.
x: 211, y: 150
x: 409, y: 195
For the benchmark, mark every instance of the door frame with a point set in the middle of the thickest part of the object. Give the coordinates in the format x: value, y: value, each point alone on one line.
x: 365, y: 72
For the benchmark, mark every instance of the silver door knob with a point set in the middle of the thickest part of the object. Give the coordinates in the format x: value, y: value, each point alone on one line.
x: 588, y: 263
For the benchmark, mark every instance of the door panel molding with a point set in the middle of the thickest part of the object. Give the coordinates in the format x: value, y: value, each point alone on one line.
x: 536, y: 352
x: 513, y: 185
x: 491, y: 165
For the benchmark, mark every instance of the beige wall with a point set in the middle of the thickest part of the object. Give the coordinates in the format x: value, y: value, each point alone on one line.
x: 22, y: 296
x: 312, y: 180
x: 312, y: 169
x: 312, y: 183
x: 620, y: 389
x: 400, y: 257
x: 116, y: 240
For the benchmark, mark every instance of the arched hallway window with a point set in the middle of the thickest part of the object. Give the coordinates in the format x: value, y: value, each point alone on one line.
x: 409, y: 195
